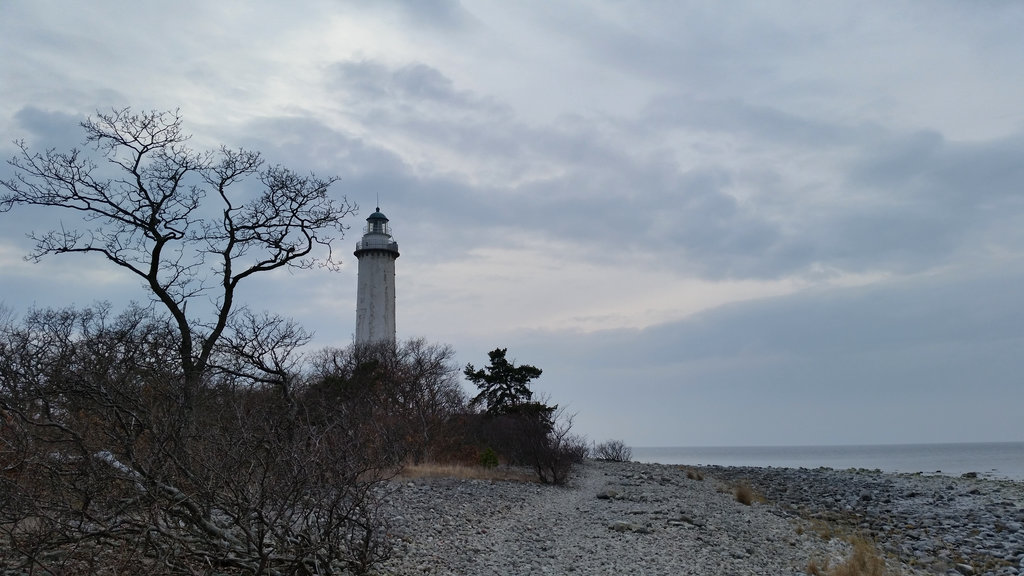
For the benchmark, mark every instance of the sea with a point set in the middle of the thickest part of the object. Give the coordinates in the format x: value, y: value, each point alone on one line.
x: 997, y: 460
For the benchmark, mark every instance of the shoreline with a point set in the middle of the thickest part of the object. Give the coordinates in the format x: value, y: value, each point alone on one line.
x: 641, y: 518
x: 997, y: 460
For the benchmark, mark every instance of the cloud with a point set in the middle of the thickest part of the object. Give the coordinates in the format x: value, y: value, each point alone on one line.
x: 753, y: 210
x: 800, y: 215
x: 48, y: 128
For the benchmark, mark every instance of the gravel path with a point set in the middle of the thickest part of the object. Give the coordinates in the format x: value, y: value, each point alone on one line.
x: 613, y: 518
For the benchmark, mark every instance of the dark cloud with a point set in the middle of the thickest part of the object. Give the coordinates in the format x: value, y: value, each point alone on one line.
x: 769, y: 126
x: 923, y: 198
x: 307, y: 143
x: 446, y: 16
x: 894, y: 162
x: 404, y: 91
x: 49, y: 129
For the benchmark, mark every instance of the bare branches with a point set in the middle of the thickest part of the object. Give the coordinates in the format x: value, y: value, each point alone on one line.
x: 185, y: 441
x: 612, y: 451
x: 100, y: 476
x: 286, y: 223
x: 191, y: 225
x: 263, y: 349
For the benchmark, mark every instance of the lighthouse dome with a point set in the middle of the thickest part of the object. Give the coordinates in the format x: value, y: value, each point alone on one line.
x: 377, y: 223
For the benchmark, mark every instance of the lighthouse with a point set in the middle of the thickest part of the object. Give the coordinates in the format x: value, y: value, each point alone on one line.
x: 375, y: 295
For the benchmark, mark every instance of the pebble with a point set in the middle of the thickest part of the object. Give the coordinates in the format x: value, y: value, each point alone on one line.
x: 651, y: 519
x: 968, y: 525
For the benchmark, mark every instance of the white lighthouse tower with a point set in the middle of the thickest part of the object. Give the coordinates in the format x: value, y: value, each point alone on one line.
x: 375, y: 296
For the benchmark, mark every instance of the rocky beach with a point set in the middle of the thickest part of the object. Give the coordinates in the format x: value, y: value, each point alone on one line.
x: 646, y: 519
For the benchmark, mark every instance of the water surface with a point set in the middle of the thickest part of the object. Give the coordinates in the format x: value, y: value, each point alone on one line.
x: 991, y: 459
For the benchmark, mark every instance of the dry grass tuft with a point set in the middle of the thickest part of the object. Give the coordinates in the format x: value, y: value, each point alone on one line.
x: 694, y: 474
x: 463, y: 472
x: 865, y: 560
x: 815, y: 570
x: 744, y: 494
x: 824, y: 529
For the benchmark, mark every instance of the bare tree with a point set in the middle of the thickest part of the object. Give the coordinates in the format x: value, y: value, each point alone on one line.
x: 613, y: 451
x: 179, y: 437
x: 264, y: 349
x: 192, y: 225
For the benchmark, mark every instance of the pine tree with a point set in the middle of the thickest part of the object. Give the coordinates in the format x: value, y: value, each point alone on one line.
x: 504, y: 387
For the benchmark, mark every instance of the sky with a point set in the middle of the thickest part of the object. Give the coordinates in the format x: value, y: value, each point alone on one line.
x: 710, y: 224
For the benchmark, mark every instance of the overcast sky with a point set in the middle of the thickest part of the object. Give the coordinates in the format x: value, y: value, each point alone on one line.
x: 741, y: 223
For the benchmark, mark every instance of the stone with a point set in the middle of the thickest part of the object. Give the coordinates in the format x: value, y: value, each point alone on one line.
x: 684, y: 519
x: 623, y: 526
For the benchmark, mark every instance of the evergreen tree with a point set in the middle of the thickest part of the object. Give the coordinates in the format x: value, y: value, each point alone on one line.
x: 504, y: 387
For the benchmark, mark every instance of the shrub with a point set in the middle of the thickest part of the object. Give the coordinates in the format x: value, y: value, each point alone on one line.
x: 489, y: 459
x: 562, y: 451
x: 265, y: 473
x: 613, y: 451
x: 408, y: 392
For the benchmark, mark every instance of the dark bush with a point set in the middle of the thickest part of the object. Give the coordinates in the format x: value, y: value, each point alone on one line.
x: 489, y: 458
x: 555, y: 459
x: 270, y: 472
x: 613, y: 451
x: 523, y: 431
